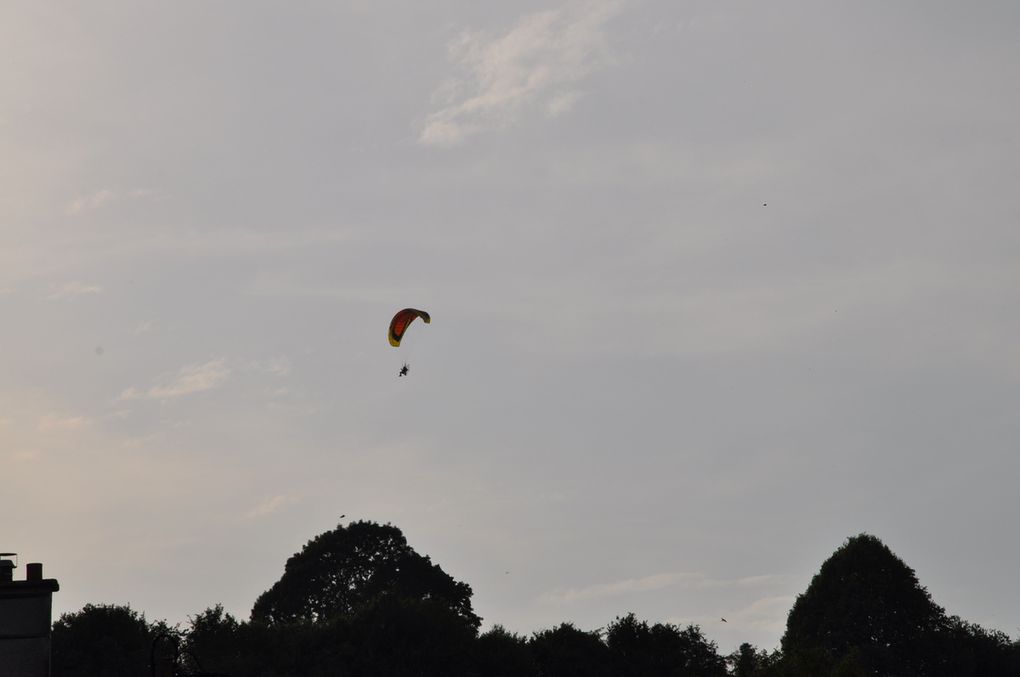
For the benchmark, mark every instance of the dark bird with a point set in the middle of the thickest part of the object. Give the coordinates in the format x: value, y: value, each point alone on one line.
x: 724, y: 620
x: 404, y: 370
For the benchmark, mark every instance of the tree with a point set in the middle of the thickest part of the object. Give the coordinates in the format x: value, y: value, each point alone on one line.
x: 213, y: 641
x: 566, y: 651
x: 107, y: 640
x: 863, y: 611
x: 218, y: 644
x: 500, y: 653
x: 962, y: 649
x: 402, y: 637
x: 747, y: 661
x: 343, y: 570
x: 640, y: 650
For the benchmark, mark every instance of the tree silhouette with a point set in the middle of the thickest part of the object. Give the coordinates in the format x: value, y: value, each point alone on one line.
x: 864, y: 610
x: 343, y: 570
x: 106, y: 640
x: 401, y: 637
x: 215, y: 639
x: 747, y: 661
x: 500, y: 653
x: 359, y: 602
x: 640, y: 650
x: 566, y: 651
x: 963, y: 649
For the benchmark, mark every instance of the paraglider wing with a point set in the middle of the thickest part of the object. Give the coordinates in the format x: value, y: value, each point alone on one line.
x: 400, y: 322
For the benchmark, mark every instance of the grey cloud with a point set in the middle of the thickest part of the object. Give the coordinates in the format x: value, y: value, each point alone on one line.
x: 94, y: 201
x: 191, y: 379
x: 654, y: 582
x: 538, y: 63
x: 73, y: 290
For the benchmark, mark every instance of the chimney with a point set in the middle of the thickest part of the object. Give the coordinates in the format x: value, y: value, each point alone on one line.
x: 25, y: 620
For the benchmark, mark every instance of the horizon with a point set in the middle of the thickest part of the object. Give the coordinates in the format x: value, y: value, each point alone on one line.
x: 650, y: 583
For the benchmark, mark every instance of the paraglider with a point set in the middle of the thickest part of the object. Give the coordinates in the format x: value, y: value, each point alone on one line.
x: 400, y: 322
x: 398, y: 326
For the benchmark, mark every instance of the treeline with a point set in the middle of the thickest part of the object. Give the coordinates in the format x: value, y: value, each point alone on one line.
x: 358, y: 601
x: 390, y: 637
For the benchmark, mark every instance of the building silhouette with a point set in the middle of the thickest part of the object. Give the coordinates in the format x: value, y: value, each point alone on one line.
x: 25, y: 619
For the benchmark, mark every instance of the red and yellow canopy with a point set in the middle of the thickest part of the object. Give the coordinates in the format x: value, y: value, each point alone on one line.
x: 401, y: 321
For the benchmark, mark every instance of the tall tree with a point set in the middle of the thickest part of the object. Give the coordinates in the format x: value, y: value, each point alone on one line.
x: 343, y: 570
x: 864, y: 610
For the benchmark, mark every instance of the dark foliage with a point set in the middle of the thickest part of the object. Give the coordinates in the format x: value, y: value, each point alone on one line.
x: 106, y: 640
x: 962, y: 649
x: 640, y: 650
x: 215, y: 643
x: 566, y: 651
x: 499, y: 653
x: 748, y: 661
x: 358, y: 602
x: 340, y: 571
x: 864, y: 600
x: 865, y: 613
x: 405, y: 638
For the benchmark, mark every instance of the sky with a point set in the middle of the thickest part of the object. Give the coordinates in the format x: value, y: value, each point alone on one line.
x: 714, y: 286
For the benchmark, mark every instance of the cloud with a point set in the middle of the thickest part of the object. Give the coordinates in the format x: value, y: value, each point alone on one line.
x: 277, y: 366
x: 53, y: 422
x: 562, y: 103
x: 24, y: 455
x: 654, y: 582
x: 241, y: 241
x: 279, y: 392
x: 288, y: 286
x: 630, y: 585
x: 73, y: 290
x: 194, y: 378
x: 766, y: 614
x: 144, y: 327
x: 106, y: 196
x: 270, y: 506
x: 89, y: 202
x: 537, y: 65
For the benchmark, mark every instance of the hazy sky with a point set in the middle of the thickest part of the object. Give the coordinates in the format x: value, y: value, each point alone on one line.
x: 714, y: 286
